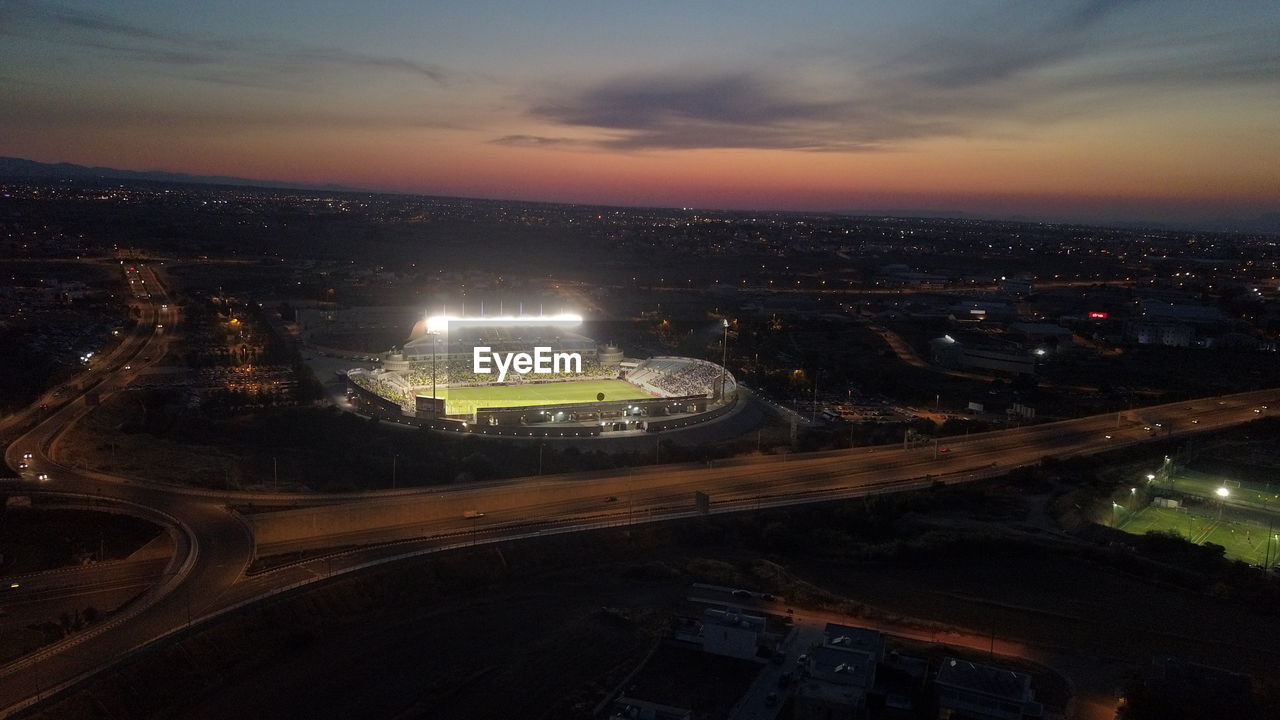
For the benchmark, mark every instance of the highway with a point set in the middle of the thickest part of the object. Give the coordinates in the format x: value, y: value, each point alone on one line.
x: 215, y: 544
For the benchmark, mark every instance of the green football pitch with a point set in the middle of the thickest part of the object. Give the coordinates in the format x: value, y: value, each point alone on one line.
x: 1243, y: 540
x: 467, y: 399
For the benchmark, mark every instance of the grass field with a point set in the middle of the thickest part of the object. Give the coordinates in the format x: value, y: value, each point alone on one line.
x: 1243, y: 540
x: 1193, y: 482
x: 467, y: 399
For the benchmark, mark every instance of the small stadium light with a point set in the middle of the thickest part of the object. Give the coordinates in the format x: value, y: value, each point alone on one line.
x: 1223, y: 492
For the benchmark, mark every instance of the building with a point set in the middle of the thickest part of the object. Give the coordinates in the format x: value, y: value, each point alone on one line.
x: 982, y: 353
x: 975, y: 311
x: 732, y: 633
x: 973, y: 691
x: 1156, y: 332
x: 1160, y: 322
x: 840, y: 674
x: 1042, y: 336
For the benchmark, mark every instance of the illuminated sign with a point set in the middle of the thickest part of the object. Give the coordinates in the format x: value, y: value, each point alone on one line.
x: 540, y: 362
x: 1097, y: 316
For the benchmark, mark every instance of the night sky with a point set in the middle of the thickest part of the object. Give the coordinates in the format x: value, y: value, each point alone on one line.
x: 1057, y: 110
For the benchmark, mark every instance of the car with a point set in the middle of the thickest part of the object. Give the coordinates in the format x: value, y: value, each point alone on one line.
x: 946, y: 449
x: 42, y: 477
x: 1147, y: 428
x: 769, y: 597
x: 1257, y: 410
x: 741, y: 594
x: 23, y: 466
x: 610, y: 499
x: 1107, y: 437
x: 27, y: 456
x: 128, y: 367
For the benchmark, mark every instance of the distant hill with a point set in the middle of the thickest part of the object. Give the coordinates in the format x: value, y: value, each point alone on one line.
x: 20, y: 169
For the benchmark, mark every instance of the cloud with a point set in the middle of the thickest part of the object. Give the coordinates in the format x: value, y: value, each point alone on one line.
x: 535, y: 141
x: 260, y: 63
x: 1029, y: 63
x: 374, y: 62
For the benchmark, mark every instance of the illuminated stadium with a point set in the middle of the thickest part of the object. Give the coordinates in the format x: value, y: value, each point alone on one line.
x: 535, y: 376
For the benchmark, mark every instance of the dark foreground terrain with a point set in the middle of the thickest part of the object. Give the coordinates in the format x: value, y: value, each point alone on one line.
x: 548, y: 628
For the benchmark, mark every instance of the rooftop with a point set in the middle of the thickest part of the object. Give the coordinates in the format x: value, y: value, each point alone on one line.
x: 985, y: 679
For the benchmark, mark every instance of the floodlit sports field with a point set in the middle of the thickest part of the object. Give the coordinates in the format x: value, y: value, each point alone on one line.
x: 467, y: 399
x: 1243, y: 539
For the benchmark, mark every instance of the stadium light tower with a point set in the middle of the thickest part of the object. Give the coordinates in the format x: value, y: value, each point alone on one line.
x: 724, y: 356
x: 435, y: 335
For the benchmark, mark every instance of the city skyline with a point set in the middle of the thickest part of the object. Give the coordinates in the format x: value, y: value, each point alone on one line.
x: 1090, y: 112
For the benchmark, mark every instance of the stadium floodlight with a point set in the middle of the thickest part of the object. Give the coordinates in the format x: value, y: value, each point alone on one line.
x: 440, y: 323
x: 1223, y: 492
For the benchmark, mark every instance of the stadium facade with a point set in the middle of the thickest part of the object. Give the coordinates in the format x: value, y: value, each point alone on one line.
x: 432, y: 381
